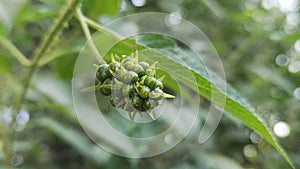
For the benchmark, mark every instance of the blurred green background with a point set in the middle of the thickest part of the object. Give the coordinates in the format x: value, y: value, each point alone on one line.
x: 258, y: 42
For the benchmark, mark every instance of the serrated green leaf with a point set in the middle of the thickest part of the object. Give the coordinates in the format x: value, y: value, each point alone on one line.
x: 175, y: 59
x: 171, y: 58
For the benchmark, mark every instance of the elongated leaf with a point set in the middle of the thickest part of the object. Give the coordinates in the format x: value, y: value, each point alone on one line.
x: 172, y: 58
x: 75, y: 139
x: 177, y: 60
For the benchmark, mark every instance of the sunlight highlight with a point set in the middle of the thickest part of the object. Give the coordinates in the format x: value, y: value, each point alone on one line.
x: 282, y: 129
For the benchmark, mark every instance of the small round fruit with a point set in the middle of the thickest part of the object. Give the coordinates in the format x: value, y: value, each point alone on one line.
x: 147, y: 104
x: 151, y: 82
x: 141, y: 74
x: 150, y: 104
x: 130, y: 77
x: 131, y: 90
x: 103, y: 72
x: 127, y: 65
x: 144, y: 65
x: 117, y: 88
x: 128, y: 90
x: 157, y: 93
x: 143, y: 91
x: 119, y: 75
x: 105, y: 88
x: 114, y: 65
x: 137, y: 68
x: 148, y: 71
x: 136, y: 102
x: 128, y: 59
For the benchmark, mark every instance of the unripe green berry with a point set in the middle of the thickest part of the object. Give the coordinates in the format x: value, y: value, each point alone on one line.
x: 147, y: 104
x: 157, y: 93
x: 144, y: 65
x: 128, y: 90
x: 150, y: 82
x: 105, y: 88
x: 128, y: 59
x: 128, y: 65
x: 114, y: 65
x: 103, y: 73
x: 143, y: 91
x: 130, y: 77
x: 148, y: 71
x: 131, y: 84
x: 136, y: 102
x: 117, y: 88
x: 120, y: 74
x: 137, y: 68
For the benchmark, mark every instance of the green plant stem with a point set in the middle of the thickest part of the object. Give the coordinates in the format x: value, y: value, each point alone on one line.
x: 87, y: 34
x: 9, y: 46
x: 52, y: 34
x: 56, y: 54
x: 99, y: 27
x: 65, y: 14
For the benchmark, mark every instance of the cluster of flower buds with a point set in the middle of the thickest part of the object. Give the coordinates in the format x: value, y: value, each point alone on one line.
x: 131, y: 85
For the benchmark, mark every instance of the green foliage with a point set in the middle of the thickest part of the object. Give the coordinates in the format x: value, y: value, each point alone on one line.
x: 248, y: 36
x: 5, y: 64
x: 95, y: 9
x: 172, y: 58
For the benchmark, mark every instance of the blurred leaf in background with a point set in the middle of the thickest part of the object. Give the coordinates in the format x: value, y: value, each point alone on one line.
x: 258, y: 42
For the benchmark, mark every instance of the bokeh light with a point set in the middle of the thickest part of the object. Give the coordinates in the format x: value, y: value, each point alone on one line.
x: 297, y: 44
x: 294, y: 66
x: 282, y: 129
x: 22, y: 117
x: 250, y: 151
x: 282, y: 60
x: 297, y: 93
x: 255, y: 138
x: 17, y: 160
x: 173, y: 19
x: 5, y: 116
x: 138, y: 3
x: 286, y: 5
x: 123, y: 6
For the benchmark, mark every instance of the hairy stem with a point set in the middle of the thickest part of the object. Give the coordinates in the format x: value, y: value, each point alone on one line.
x: 52, y: 34
x: 47, y: 40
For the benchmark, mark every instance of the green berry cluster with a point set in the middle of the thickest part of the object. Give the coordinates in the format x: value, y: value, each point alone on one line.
x: 131, y: 85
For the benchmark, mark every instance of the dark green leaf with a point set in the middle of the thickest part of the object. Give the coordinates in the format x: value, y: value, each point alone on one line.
x: 174, y: 59
x: 96, y: 8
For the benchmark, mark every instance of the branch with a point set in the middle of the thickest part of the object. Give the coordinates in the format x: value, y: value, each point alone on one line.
x: 65, y: 14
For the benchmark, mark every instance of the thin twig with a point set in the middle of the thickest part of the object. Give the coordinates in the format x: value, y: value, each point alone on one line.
x: 52, y: 34
x: 65, y: 14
